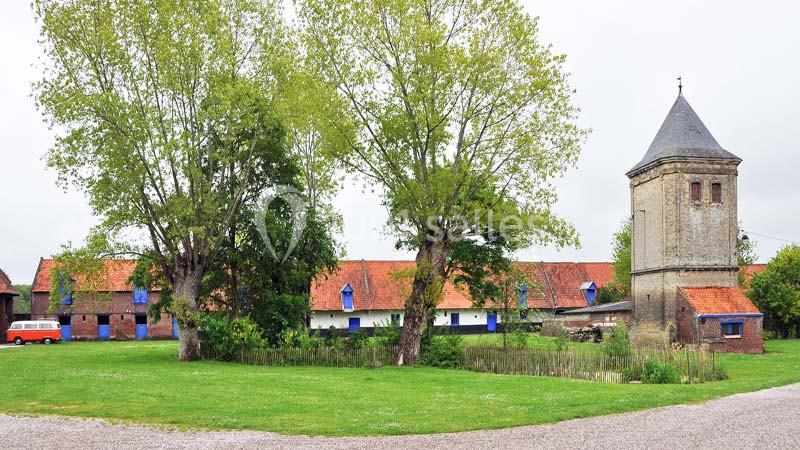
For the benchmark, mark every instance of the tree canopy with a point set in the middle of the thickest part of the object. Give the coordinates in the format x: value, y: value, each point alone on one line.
x: 159, y: 108
x: 776, y: 292
x: 461, y: 116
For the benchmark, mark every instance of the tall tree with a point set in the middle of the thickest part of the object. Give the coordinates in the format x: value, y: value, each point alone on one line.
x: 621, y: 258
x: 460, y: 115
x: 776, y: 292
x: 159, y: 105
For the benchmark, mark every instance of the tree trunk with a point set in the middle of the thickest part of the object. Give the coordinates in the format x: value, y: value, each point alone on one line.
x: 426, y: 291
x: 185, y: 294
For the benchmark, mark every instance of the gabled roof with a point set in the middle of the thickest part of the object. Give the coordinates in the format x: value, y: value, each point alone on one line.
x: 385, y: 285
x: 115, y: 278
x: 587, y: 285
x: 626, y: 305
x: 5, y: 285
x: 718, y: 300
x: 682, y: 134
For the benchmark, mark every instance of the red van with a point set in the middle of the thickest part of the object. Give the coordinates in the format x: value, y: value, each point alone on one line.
x: 45, y: 331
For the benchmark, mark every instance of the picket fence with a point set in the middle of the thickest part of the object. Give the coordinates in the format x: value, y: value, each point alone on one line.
x: 582, y: 363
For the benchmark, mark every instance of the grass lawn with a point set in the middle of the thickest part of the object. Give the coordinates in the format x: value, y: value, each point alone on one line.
x: 143, y: 382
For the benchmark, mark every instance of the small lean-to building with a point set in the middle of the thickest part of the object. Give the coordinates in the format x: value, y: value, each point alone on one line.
x: 721, y: 317
x: 606, y: 315
x: 118, y: 310
x: 7, y: 294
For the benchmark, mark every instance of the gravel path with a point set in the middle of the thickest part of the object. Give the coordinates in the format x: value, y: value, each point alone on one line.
x: 764, y: 419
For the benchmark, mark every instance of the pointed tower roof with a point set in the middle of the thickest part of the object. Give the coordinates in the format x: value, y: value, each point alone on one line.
x: 682, y: 135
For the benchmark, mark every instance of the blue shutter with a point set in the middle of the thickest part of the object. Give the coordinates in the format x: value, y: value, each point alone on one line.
x: 347, y: 297
x: 523, y: 296
x: 491, y: 322
x: 140, y: 296
x: 354, y: 323
x: 66, y: 296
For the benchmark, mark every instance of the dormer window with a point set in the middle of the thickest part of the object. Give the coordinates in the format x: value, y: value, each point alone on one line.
x: 716, y: 192
x: 522, y: 298
x: 589, y: 291
x: 347, y: 297
x: 140, y: 296
x: 66, y: 293
x: 696, y: 192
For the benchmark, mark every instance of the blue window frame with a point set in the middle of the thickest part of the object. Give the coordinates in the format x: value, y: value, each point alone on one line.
x: 522, y: 299
x: 139, y: 296
x: 454, y: 319
x: 66, y: 296
x: 347, y: 297
x: 732, y: 327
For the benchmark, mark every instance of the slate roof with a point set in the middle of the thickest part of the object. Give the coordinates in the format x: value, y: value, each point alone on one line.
x: 682, y: 134
x: 718, y: 300
x: 385, y: 285
x: 5, y: 285
x: 626, y: 305
x: 115, y: 278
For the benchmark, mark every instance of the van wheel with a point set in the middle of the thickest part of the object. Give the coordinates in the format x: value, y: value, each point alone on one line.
x: 48, y: 341
x: 18, y: 341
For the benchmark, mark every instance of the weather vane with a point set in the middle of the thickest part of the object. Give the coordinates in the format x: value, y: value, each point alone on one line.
x: 680, y: 85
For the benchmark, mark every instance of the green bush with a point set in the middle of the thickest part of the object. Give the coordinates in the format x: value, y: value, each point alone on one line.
x: 226, y: 337
x: 632, y: 373
x: 660, y: 372
x: 617, y: 341
x: 387, y: 333
x: 444, y: 351
x: 357, y: 340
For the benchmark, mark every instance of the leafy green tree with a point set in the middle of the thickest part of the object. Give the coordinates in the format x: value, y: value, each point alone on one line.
x: 22, y: 304
x: 746, y: 255
x: 460, y: 117
x: 159, y: 106
x: 776, y: 292
x: 609, y: 293
x: 621, y: 258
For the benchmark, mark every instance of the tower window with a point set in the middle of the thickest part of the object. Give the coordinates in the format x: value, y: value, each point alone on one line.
x: 716, y: 193
x: 696, y: 191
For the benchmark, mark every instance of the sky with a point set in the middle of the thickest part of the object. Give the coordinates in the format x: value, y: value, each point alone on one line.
x: 740, y: 68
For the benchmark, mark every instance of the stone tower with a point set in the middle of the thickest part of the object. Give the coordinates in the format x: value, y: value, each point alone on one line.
x: 683, y: 216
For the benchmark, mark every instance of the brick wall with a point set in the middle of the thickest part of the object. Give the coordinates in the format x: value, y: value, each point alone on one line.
x: 751, y: 341
x: 119, y: 307
x: 677, y: 242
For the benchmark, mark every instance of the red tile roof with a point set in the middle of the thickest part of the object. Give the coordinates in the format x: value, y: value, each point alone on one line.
x: 115, y: 278
x: 718, y: 300
x: 5, y: 285
x: 382, y: 285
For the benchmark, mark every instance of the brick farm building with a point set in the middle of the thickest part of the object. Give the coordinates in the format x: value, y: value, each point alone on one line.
x: 117, y: 310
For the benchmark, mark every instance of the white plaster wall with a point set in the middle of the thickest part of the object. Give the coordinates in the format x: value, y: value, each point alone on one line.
x: 341, y: 319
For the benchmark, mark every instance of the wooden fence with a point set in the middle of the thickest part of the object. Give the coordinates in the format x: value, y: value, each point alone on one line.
x: 695, y: 366
x: 583, y: 363
x: 331, y: 357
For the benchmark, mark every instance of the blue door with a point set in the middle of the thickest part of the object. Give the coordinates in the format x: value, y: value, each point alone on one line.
x: 491, y: 322
x: 354, y: 324
x: 175, y: 334
x: 454, y: 319
x: 141, y: 327
x: 66, y: 332
x: 103, y: 328
x: 66, y: 327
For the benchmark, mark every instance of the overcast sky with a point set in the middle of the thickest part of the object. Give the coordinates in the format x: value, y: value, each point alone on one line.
x: 739, y: 62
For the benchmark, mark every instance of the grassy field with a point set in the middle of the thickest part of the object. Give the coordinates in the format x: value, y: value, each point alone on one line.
x: 143, y: 382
